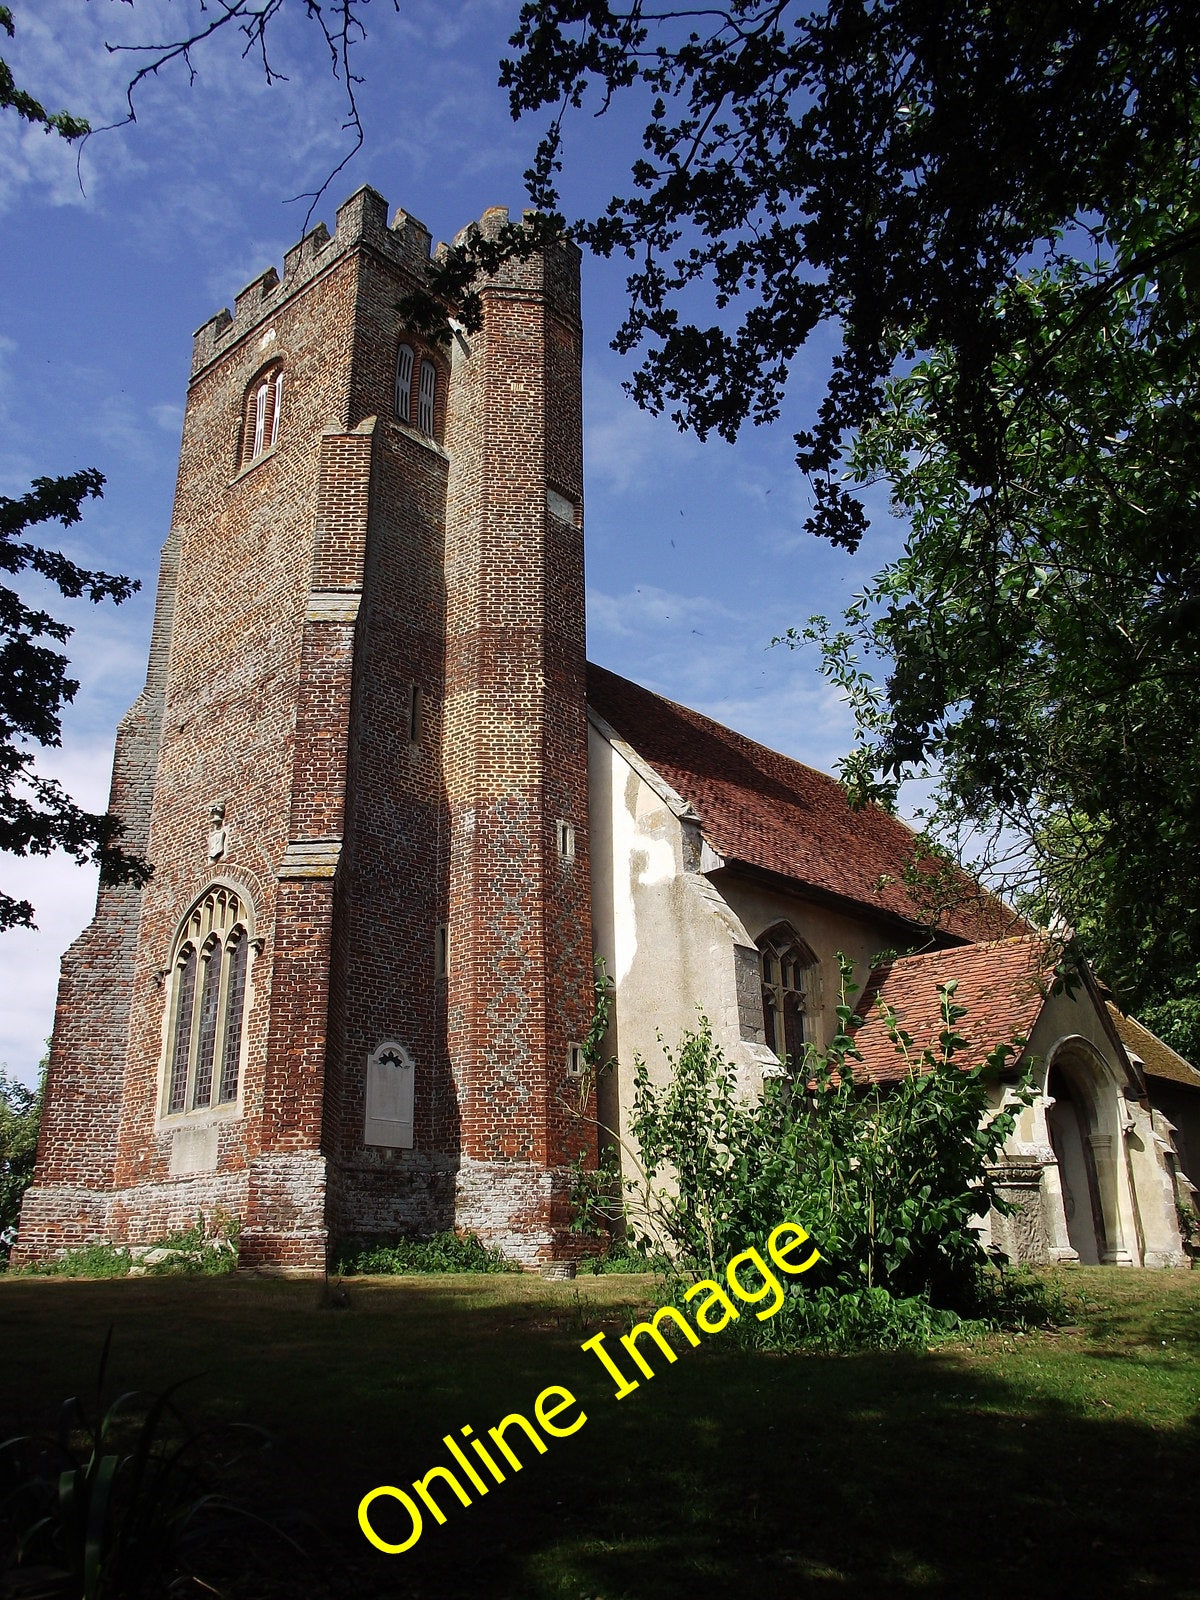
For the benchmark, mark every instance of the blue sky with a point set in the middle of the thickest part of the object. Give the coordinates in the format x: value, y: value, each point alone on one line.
x: 696, y: 555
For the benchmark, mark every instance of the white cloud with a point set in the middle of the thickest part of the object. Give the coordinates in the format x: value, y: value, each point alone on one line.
x: 169, y: 417
x: 646, y: 609
x: 624, y: 444
x: 703, y: 653
x: 63, y: 895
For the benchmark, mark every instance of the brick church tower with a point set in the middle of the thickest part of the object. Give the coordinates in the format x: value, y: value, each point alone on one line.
x: 346, y: 1001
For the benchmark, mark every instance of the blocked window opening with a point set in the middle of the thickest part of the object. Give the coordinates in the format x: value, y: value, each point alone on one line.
x: 562, y: 507
x: 206, y: 1004
x: 388, y: 1122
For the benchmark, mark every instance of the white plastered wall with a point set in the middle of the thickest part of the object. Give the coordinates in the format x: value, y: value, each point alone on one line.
x: 677, y: 930
x: 1132, y: 1220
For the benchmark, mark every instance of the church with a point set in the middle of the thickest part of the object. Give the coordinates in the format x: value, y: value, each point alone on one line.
x: 394, y: 816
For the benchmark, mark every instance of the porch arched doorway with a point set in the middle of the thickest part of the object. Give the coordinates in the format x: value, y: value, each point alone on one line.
x: 1076, y: 1168
x: 1086, y: 1143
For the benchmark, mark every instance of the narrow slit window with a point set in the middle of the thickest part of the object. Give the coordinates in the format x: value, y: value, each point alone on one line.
x: 425, y: 397
x: 441, y: 950
x: 566, y: 840
x: 414, y: 714
x: 260, y: 419
x: 404, y: 375
x: 575, y: 1060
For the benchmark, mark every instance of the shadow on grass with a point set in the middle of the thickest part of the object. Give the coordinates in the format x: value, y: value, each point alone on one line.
x: 954, y: 1474
x: 871, y: 1476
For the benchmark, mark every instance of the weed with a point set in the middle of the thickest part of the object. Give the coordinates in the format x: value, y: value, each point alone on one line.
x: 118, y: 1505
x: 444, y: 1252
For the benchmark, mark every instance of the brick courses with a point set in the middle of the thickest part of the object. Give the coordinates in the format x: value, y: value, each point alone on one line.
x: 305, y: 594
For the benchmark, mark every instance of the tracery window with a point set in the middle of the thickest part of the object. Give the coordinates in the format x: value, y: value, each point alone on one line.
x: 207, y: 1004
x: 261, y: 411
x: 788, y: 970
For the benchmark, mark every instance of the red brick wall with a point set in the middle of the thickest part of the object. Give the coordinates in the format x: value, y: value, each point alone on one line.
x: 515, y: 744
x: 315, y: 586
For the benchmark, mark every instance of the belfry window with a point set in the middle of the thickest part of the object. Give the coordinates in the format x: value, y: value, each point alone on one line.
x: 416, y: 390
x: 207, y: 1004
x: 404, y: 377
x: 425, y: 397
x: 261, y: 411
x: 788, y: 970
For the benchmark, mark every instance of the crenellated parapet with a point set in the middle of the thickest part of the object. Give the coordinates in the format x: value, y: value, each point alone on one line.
x: 363, y: 220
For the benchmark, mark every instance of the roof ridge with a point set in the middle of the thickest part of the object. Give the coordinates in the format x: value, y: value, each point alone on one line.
x: 959, y: 952
x: 762, y: 811
x: 745, y: 738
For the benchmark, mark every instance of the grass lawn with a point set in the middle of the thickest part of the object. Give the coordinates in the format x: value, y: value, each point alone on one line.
x: 1050, y: 1465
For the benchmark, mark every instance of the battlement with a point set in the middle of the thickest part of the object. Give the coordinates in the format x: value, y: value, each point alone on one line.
x: 362, y: 219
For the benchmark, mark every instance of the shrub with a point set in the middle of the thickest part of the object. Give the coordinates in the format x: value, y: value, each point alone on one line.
x: 444, y: 1252
x: 624, y: 1256
x: 99, y: 1260
x: 889, y: 1181
x: 20, y: 1116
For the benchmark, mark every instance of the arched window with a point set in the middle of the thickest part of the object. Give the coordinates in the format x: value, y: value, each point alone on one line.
x: 261, y: 411
x: 278, y: 405
x: 404, y: 377
x: 207, y: 1004
x: 788, y: 970
x: 425, y: 398
x: 419, y: 408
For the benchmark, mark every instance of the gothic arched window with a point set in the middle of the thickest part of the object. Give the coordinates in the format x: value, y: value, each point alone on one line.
x: 788, y: 970
x: 261, y: 410
x: 416, y: 391
x: 207, y: 1003
x: 404, y: 377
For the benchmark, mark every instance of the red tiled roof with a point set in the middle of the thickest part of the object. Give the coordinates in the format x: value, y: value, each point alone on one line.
x: 767, y: 811
x: 1158, y: 1059
x: 1002, y: 985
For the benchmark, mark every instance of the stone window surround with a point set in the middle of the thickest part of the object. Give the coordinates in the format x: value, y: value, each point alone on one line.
x: 217, y: 918
x: 790, y: 975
